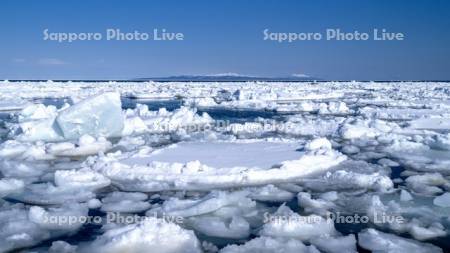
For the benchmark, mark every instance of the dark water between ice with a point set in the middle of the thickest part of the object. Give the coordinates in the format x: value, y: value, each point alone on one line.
x: 218, y: 113
x: 170, y: 105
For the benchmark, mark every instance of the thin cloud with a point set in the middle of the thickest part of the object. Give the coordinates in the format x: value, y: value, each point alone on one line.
x: 300, y: 75
x: 18, y: 60
x: 51, y: 62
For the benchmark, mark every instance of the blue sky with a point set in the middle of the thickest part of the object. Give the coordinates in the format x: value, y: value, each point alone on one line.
x: 225, y: 36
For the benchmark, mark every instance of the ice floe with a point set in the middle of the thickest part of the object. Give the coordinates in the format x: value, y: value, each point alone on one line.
x: 377, y: 241
x: 149, y: 235
x: 159, y: 176
x: 99, y: 115
x: 269, y: 244
x: 126, y: 202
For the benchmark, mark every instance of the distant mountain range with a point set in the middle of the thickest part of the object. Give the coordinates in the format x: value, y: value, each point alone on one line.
x: 227, y: 78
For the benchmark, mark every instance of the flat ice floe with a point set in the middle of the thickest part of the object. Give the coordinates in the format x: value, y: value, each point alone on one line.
x: 262, y: 154
x: 224, y: 167
x: 160, y: 176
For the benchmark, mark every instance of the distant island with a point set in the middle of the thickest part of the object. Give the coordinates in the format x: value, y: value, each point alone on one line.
x: 227, y: 78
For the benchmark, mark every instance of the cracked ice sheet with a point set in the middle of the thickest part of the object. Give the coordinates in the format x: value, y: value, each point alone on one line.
x: 366, y: 138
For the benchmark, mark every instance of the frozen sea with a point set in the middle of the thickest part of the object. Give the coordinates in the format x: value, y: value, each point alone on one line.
x: 224, y: 167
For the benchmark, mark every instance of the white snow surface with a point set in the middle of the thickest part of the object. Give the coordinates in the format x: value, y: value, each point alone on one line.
x: 261, y: 154
x: 150, y: 235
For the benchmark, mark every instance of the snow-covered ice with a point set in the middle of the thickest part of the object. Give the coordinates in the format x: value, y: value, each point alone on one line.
x: 151, y: 235
x: 377, y: 241
x: 261, y: 154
